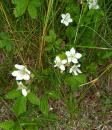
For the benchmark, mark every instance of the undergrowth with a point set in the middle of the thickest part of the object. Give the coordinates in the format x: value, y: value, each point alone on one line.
x: 33, y: 35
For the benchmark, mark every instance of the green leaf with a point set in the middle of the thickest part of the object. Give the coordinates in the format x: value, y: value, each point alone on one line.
x: 55, y: 95
x: 51, y: 37
x: 75, y: 81
x: 92, y: 68
x: 105, y: 54
x: 20, y: 7
x: 7, y: 125
x: 72, y: 105
x: 5, y: 41
x: 20, y: 106
x: 17, y: 126
x: 32, y: 128
x: 57, y: 43
x: 51, y: 117
x: 33, y: 98
x: 13, y: 94
x: 70, y: 32
x: 32, y: 8
x: 43, y: 105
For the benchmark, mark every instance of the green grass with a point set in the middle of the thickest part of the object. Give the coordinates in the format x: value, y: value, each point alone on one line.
x: 82, y: 103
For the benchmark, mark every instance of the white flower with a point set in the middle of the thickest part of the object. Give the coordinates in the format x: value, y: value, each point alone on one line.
x: 60, y: 63
x: 75, y: 69
x: 73, y: 56
x: 66, y: 19
x: 22, y: 73
x: 93, y: 4
x: 23, y: 88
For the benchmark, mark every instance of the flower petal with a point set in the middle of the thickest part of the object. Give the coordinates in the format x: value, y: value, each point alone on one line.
x: 70, y: 71
x: 64, y: 61
x: 75, y: 73
x: 20, y: 77
x: 57, y: 59
x: 63, y: 16
x: 62, y: 67
x: 72, y: 50
x: 19, y: 67
x: 55, y: 65
x: 67, y: 16
x: 74, y: 60
x: 97, y: 7
x: 24, y: 92
x: 70, y: 20
x: 68, y: 53
x: 62, y: 21
x: 66, y: 23
x: 26, y: 77
x: 90, y: 6
x: 78, y: 70
x: 78, y: 65
x: 15, y: 73
x: 78, y: 55
x: 69, y: 59
x: 27, y: 71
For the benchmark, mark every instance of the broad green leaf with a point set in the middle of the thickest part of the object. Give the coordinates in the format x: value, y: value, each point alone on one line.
x: 43, y: 105
x: 20, y: 7
x: 20, y: 105
x: 75, y: 81
x: 13, y: 94
x: 5, y: 41
x: 32, y: 8
x: 51, y: 37
x: 7, y: 125
x: 33, y: 98
x: 32, y: 11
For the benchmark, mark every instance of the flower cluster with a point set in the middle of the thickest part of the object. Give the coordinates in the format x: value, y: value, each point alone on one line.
x: 21, y: 73
x: 71, y: 60
x: 93, y: 4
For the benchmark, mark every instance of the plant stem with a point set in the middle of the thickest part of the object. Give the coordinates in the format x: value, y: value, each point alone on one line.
x: 42, y: 43
x: 78, y: 26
